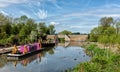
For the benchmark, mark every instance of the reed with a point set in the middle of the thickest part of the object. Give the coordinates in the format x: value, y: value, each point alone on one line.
x: 103, y: 60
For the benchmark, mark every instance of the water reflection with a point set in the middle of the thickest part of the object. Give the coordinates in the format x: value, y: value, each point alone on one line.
x: 26, y: 61
x: 70, y: 43
x: 3, y: 60
x: 37, y: 57
x: 55, y: 59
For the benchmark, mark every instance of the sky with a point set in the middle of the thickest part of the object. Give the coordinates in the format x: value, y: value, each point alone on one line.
x: 73, y: 15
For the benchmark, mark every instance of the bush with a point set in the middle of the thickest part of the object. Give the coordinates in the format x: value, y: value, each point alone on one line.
x: 102, y: 61
x: 61, y: 40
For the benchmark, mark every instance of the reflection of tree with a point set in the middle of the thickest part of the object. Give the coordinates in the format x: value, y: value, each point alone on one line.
x: 43, y: 53
x: 51, y: 51
x: 39, y: 57
x: 3, y: 60
x: 15, y: 63
x: 47, y: 49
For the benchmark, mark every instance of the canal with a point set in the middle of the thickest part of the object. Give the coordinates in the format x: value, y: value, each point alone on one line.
x: 55, y: 59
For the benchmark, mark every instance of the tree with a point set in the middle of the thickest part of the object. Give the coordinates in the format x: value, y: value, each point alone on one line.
x: 3, y: 35
x: 3, y: 19
x: 7, y: 28
x: 33, y: 35
x: 110, y: 30
x: 30, y: 24
x: 95, y: 33
x: 23, y: 31
x: 106, y: 21
x: 66, y: 32
x: 23, y: 18
x: 22, y: 27
x: 15, y: 30
x: 42, y: 28
x: 118, y: 27
x: 51, y: 29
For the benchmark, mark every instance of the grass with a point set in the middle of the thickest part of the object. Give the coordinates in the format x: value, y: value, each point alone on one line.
x: 103, y: 60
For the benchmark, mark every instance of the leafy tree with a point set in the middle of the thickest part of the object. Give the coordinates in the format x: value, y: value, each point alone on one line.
x: 3, y: 19
x: 118, y: 27
x: 7, y: 28
x: 42, y: 28
x: 22, y: 27
x: 66, y: 32
x: 3, y: 35
x: 110, y: 30
x: 24, y: 31
x: 106, y: 21
x: 30, y: 25
x: 33, y: 35
x: 95, y: 33
x: 23, y: 18
x: 15, y: 30
x: 51, y: 29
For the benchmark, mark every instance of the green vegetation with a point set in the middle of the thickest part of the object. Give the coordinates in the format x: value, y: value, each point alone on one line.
x: 102, y: 61
x: 21, y: 30
x: 61, y: 40
x: 66, y: 32
x: 107, y: 33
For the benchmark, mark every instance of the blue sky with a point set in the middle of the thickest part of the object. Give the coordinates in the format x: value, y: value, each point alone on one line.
x: 74, y: 15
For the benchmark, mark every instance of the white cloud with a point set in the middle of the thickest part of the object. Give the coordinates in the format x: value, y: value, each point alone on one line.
x: 109, y: 15
x: 42, y: 14
x: 55, y: 3
x: 84, y: 26
x: 112, y: 5
x: 77, y: 14
x: 111, y: 10
x: 5, y: 3
x: 54, y: 23
x: 24, y: 13
x: 3, y: 12
x: 92, y: 15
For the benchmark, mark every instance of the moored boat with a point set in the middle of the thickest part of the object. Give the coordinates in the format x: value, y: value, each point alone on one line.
x: 32, y: 49
x: 22, y: 56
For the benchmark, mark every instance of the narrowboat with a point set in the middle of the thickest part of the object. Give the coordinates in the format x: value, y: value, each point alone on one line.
x: 33, y: 49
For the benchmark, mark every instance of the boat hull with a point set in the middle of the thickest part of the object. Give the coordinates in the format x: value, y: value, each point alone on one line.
x: 48, y: 44
x: 22, y: 56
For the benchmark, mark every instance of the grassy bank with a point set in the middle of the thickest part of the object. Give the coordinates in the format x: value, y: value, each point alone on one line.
x: 103, y: 60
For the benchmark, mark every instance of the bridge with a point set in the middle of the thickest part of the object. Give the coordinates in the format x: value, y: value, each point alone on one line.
x: 70, y: 37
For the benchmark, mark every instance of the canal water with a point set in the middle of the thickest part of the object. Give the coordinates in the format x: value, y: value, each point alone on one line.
x: 55, y: 59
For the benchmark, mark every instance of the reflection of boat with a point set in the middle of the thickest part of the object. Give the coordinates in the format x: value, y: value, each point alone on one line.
x: 27, y: 60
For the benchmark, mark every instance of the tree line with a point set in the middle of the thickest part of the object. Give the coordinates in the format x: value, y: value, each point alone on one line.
x: 107, y: 33
x: 22, y: 30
